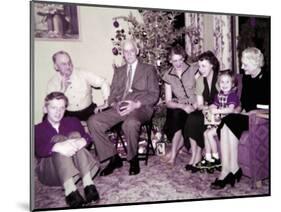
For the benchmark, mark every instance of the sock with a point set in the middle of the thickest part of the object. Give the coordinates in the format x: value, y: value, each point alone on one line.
x: 69, y: 186
x: 87, y: 180
x: 216, y: 155
x: 208, y: 157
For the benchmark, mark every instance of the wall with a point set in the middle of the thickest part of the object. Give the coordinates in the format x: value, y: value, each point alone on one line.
x: 208, y: 32
x: 92, y: 52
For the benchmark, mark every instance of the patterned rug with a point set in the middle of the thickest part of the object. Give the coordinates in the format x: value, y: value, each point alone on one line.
x: 156, y: 182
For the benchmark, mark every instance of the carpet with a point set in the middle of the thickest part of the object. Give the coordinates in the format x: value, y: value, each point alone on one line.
x: 156, y: 182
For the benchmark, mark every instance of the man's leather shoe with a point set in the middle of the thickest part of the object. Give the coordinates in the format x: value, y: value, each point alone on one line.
x: 91, y: 193
x: 114, y: 163
x: 74, y: 199
x: 134, y: 166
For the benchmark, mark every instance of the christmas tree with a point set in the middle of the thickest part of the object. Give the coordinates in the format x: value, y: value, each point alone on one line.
x: 155, y: 36
x: 158, y: 32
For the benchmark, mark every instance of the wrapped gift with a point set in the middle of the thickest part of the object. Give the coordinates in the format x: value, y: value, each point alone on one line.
x: 211, y: 119
x: 160, y: 148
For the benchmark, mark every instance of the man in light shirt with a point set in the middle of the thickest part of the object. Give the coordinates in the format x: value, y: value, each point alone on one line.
x: 77, y: 86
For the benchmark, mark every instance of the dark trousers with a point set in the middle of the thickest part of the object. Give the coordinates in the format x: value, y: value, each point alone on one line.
x: 102, y: 122
x: 55, y: 170
x: 84, y: 114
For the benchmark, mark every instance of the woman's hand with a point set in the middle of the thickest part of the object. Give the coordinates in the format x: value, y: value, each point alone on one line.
x: 238, y: 109
x: 205, y: 108
x: 200, y: 102
x: 187, y: 108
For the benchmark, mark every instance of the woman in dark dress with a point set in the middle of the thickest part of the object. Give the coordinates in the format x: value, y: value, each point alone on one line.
x: 179, y: 97
x: 205, y: 92
x: 255, y: 91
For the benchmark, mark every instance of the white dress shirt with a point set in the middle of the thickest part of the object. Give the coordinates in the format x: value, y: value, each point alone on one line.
x: 79, y: 91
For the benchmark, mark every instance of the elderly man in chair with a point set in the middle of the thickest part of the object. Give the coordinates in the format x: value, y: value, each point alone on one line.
x: 133, y: 93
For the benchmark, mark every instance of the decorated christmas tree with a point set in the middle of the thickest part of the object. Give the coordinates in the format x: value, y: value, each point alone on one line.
x: 155, y: 36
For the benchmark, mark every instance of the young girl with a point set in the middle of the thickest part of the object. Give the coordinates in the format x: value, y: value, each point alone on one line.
x: 224, y: 103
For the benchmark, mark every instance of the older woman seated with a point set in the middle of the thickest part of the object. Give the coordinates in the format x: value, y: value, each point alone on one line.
x: 255, y: 91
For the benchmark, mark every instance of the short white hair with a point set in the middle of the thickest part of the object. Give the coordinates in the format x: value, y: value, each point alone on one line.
x: 253, y: 55
x: 131, y: 41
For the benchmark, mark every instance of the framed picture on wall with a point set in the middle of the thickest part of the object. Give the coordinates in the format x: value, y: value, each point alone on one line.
x: 177, y: 46
x: 56, y: 21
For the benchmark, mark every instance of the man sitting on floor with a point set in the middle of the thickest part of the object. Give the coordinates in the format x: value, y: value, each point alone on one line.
x: 62, y: 157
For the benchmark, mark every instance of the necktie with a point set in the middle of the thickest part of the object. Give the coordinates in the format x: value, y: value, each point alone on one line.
x: 128, y: 83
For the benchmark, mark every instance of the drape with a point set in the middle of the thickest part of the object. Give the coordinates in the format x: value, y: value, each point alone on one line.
x: 200, y: 36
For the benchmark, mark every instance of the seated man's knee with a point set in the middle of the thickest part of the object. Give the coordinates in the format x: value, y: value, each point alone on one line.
x: 93, y: 123
x: 131, y: 124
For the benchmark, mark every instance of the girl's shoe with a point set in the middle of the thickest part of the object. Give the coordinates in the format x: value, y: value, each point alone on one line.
x: 191, y: 168
x: 238, y: 175
x: 188, y: 167
x: 194, y: 169
x: 202, y: 164
x: 205, y: 164
x: 220, y: 184
x: 217, y: 162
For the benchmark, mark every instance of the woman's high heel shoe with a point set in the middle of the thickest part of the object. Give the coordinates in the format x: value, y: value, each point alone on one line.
x: 220, y: 184
x: 238, y: 175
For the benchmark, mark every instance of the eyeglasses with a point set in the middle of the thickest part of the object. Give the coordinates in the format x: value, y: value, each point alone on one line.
x: 178, y: 60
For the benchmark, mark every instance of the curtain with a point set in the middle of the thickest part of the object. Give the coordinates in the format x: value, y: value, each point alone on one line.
x: 194, y: 34
x: 222, y: 40
x: 209, y: 32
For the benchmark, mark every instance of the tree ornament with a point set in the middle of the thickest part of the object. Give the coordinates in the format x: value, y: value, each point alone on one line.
x: 158, y: 62
x: 116, y: 24
x: 115, y: 51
